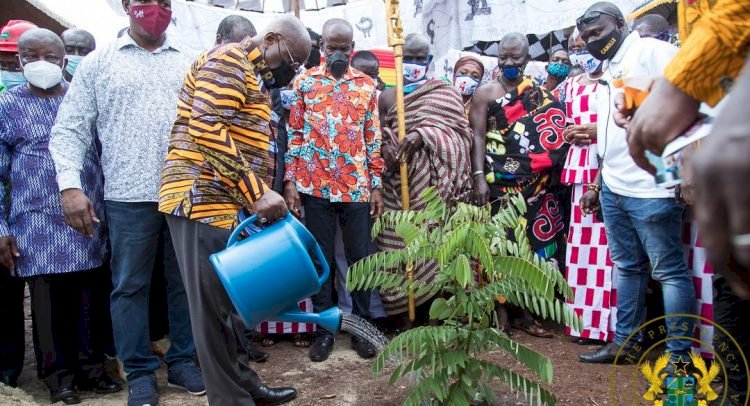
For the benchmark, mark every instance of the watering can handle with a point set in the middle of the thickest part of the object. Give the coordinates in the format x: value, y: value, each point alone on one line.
x: 236, y: 233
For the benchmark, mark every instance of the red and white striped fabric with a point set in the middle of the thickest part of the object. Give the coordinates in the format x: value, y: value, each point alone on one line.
x: 590, y: 274
x: 582, y: 163
x: 285, y: 327
x: 695, y: 256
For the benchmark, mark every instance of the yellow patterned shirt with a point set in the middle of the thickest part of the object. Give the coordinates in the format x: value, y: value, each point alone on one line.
x: 221, y: 152
x: 715, y: 37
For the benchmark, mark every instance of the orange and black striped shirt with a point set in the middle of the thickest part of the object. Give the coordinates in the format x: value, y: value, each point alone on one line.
x: 221, y: 151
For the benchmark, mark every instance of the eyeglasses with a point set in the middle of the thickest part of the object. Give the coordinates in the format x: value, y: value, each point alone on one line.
x: 592, y: 16
x: 294, y: 65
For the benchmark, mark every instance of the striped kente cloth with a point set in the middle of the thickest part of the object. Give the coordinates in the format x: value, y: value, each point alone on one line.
x: 435, y: 110
x: 221, y: 152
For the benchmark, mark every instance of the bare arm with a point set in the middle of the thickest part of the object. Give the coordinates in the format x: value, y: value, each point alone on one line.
x: 478, y: 122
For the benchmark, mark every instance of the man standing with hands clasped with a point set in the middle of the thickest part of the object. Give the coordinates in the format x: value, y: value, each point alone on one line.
x: 334, y: 162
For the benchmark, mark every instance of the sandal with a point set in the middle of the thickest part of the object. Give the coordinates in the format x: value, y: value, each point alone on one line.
x: 532, y: 328
x: 301, y: 341
x: 267, y: 341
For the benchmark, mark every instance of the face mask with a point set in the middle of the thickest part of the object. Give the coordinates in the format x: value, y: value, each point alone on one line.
x: 587, y: 62
x: 511, y: 72
x: 287, y: 98
x: 466, y: 84
x: 43, y: 74
x: 12, y: 79
x: 154, y: 19
x: 337, y: 63
x: 72, y: 65
x: 605, y: 48
x: 558, y: 70
x: 414, y: 72
x: 282, y: 76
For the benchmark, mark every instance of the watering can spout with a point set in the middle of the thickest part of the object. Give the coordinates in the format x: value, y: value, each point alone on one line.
x: 329, y: 319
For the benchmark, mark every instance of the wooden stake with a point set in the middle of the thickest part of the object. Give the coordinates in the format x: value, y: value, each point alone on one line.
x: 396, y: 41
x: 296, y: 7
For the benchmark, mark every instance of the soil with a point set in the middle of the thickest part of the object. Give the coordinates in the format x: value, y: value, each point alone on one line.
x: 345, y: 379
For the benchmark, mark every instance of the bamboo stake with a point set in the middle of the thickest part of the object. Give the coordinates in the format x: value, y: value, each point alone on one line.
x: 396, y: 41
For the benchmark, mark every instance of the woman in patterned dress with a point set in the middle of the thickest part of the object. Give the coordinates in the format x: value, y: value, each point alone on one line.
x: 588, y: 268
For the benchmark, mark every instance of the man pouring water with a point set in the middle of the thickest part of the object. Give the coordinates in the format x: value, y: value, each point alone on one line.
x: 221, y: 162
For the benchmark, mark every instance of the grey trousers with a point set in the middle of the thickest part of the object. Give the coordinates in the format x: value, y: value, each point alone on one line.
x: 217, y: 330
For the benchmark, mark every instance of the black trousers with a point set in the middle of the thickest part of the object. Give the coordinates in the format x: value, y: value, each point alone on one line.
x: 217, y: 329
x: 731, y: 313
x: 63, y: 330
x: 320, y: 218
x: 12, y: 323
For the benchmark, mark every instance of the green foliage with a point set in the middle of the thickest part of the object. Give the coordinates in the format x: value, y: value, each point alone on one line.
x: 447, y: 360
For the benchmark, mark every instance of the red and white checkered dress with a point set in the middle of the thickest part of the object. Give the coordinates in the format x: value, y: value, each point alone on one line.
x: 588, y: 267
x: 695, y: 256
x: 285, y: 327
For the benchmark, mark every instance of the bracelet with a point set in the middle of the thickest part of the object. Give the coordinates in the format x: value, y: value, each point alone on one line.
x: 477, y: 173
x: 593, y: 186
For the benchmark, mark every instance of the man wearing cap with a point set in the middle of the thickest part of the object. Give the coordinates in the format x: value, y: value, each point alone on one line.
x: 11, y: 288
x: 11, y: 74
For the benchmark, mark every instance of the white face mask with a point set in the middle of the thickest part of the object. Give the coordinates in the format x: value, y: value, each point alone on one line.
x: 287, y: 98
x: 587, y: 62
x: 466, y: 84
x: 43, y: 74
x: 414, y: 72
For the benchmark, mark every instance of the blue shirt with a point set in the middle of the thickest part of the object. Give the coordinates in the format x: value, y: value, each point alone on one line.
x: 33, y: 212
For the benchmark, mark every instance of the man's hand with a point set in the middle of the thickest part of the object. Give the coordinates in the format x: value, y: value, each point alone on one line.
x: 79, y: 212
x: 481, y: 191
x: 411, y: 144
x: 8, y: 253
x: 666, y: 113
x: 622, y: 114
x: 589, y: 202
x: 270, y: 206
x: 291, y: 197
x: 580, y: 134
x: 376, y: 203
x: 390, y: 155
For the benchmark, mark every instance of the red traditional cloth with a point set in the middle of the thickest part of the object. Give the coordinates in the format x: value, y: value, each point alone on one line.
x: 695, y: 256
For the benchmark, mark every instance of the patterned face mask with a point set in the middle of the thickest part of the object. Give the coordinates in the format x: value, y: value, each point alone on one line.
x: 466, y: 84
x: 414, y: 72
x: 586, y: 61
x: 287, y: 98
x: 558, y: 70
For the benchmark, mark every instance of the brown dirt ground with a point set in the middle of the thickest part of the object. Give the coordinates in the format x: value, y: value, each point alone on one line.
x: 345, y: 379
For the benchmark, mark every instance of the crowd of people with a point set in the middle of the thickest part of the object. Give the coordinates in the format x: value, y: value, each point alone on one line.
x: 125, y: 166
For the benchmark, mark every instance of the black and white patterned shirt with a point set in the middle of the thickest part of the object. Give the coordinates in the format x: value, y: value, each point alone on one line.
x: 128, y: 97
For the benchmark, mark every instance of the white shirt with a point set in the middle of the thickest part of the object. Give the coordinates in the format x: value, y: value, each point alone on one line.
x: 636, y: 57
x: 127, y: 96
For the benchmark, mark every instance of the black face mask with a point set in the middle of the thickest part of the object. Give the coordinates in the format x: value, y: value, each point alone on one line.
x: 337, y: 63
x: 605, y: 48
x: 282, y: 76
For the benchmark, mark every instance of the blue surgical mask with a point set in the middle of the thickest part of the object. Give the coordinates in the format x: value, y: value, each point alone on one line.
x: 511, y: 72
x: 72, y: 65
x: 12, y: 79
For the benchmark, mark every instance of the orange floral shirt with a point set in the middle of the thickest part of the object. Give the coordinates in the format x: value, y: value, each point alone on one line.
x: 334, y: 141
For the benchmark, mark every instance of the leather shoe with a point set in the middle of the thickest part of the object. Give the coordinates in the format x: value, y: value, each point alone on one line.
x: 321, y: 348
x: 606, y: 354
x: 266, y: 396
x: 66, y: 395
x: 363, y: 347
x: 102, y: 385
x: 256, y: 354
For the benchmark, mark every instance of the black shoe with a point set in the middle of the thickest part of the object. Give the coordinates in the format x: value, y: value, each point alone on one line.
x: 66, y: 395
x: 606, y: 354
x: 102, y: 385
x: 321, y: 348
x: 363, y: 347
x: 265, y: 396
x: 256, y: 354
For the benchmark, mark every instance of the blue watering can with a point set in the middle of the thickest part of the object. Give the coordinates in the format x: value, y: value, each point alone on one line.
x: 268, y: 273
